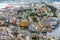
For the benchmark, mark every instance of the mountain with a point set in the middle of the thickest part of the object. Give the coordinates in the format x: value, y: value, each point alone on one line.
x: 29, y: 0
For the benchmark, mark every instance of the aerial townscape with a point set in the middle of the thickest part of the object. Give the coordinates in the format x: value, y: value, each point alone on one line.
x: 30, y: 21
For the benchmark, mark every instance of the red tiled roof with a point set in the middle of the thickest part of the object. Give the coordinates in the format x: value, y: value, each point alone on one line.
x: 9, y: 6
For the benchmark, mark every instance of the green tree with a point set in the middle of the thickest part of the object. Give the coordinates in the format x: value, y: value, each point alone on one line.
x: 54, y: 15
x: 36, y: 9
x: 43, y: 15
x: 6, y: 24
x: 49, y: 39
x: 34, y: 19
x: 53, y: 9
x: 32, y: 14
x: 35, y: 38
x: 27, y: 10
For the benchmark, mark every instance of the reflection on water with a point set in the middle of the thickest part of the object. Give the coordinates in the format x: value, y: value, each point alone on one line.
x: 56, y: 32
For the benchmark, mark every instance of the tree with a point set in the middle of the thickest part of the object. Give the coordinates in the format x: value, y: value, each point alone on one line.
x: 49, y: 39
x: 53, y: 9
x: 18, y: 11
x: 54, y: 15
x: 27, y: 10
x: 15, y: 34
x: 43, y: 15
x: 36, y: 9
x: 6, y: 24
x: 15, y: 31
x: 32, y: 14
x: 35, y: 37
x: 44, y: 3
x: 34, y: 19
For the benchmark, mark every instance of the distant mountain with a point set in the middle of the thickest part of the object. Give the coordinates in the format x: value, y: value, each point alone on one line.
x: 55, y: 0
x: 29, y: 0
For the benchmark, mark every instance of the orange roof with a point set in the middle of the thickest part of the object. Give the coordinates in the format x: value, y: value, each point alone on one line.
x: 23, y: 24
